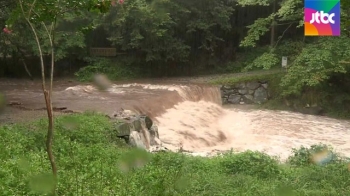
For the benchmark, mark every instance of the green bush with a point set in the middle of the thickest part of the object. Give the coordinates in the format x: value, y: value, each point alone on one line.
x: 114, y: 69
x: 304, y: 156
x: 92, y: 162
x: 252, y: 163
x: 289, y: 48
x: 229, y: 67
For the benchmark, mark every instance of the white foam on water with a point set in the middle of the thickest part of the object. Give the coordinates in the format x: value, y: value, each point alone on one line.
x: 201, y: 125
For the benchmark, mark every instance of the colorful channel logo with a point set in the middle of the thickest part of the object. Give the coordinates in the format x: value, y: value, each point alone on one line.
x: 322, y: 17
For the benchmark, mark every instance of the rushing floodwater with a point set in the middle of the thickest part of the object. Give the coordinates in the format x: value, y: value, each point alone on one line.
x: 203, y: 127
x: 198, y: 123
x: 192, y: 118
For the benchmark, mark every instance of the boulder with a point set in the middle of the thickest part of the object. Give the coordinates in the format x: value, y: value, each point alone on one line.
x: 248, y: 99
x: 137, y: 130
x: 234, y: 99
x: 227, y: 87
x: 148, y: 121
x: 122, y: 129
x: 260, y: 95
x: 230, y: 91
x: 253, y: 85
x: 243, y: 91
x: 135, y: 123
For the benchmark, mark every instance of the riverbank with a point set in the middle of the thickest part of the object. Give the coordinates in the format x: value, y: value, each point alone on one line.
x: 91, y: 161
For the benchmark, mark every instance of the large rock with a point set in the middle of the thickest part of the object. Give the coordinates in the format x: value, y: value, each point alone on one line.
x: 137, y: 130
x: 135, y: 123
x: 148, y: 121
x: 122, y: 129
x: 243, y: 91
x: 248, y: 99
x: 234, y: 99
x: 253, y: 85
x: 227, y: 87
x: 230, y: 91
x: 260, y: 95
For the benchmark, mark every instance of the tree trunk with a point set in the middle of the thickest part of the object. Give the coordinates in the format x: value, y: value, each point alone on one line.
x: 47, y: 95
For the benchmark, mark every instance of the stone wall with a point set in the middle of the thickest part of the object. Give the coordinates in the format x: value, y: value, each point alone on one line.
x: 245, y: 93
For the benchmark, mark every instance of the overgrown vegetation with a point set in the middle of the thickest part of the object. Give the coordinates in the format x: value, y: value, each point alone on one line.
x: 112, y: 68
x: 170, y: 38
x: 317, y: 65
x: 92, y: 161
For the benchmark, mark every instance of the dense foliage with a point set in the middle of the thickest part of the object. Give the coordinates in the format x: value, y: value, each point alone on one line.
x: 314, y: 60
x: 168, y: 38
x: 164, y: 37
x: 93, y: 162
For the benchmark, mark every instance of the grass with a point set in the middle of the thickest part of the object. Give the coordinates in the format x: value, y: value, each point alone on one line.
x: 232, y: 79
x: 92, y: 161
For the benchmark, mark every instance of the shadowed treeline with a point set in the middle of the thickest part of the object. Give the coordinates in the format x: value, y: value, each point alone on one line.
x: 154, y: 38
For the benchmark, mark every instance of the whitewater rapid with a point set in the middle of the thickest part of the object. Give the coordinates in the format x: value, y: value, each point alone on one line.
x: 198, y: 123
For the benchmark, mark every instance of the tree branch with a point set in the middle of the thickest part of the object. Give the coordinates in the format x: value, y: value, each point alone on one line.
x: 287, y: 23
x: 31, y: 8
x: 48, y: 98
x: 280, y: 38
x: 38, y: 44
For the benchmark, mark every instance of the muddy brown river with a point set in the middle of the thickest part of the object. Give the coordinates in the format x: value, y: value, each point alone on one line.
x: 189, y: 116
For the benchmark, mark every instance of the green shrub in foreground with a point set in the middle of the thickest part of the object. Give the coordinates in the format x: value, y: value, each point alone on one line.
x: 316, y: 154
x: 92, y: 162
x: 252, y: 163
